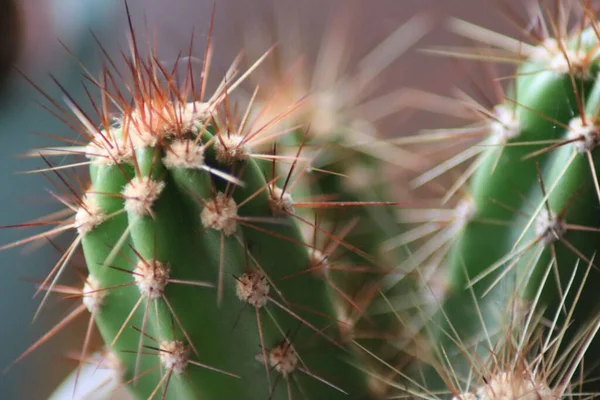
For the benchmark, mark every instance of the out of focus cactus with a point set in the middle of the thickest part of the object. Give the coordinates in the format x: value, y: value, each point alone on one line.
x: 526, y: 226
x: 345, y: 156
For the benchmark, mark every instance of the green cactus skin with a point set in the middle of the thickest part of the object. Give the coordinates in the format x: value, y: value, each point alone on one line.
x: 481, y: 245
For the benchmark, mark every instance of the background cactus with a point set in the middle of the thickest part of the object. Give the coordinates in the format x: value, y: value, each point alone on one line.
x: 345, y: 156
x: 526, y: 222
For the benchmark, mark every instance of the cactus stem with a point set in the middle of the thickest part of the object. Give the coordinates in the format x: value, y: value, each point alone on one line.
x: 152, y: 170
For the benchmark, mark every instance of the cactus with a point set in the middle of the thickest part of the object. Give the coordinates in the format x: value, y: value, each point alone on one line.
x: 525, y: 219
x: 200, y: 276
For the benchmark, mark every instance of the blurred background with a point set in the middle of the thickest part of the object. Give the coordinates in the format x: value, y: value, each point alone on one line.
x: 34, y: 35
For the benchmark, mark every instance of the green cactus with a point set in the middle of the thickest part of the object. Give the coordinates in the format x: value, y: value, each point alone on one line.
x: 200, y: 276
x: 528, y: 215
x: 162, y: 225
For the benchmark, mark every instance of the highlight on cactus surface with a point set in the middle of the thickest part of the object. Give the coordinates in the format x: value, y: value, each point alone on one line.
x: 232, y: 250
